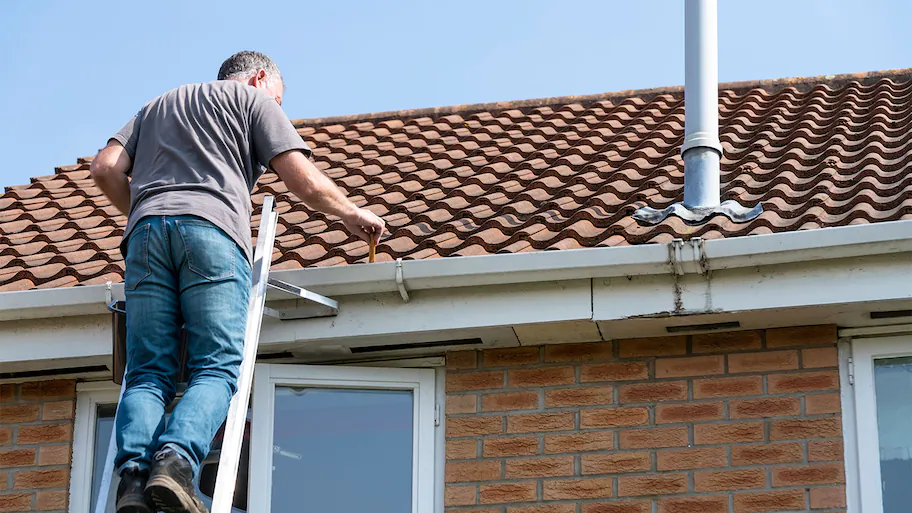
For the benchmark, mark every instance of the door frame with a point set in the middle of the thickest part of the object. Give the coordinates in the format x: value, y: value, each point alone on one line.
x: 268, y: 376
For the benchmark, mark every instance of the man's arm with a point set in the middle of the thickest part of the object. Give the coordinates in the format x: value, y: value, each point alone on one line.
x: 318, y: 192
x: 109, y: 170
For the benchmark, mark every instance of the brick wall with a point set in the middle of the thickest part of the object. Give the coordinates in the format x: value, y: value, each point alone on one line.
x: 36, y: 433
x: 736, y: 422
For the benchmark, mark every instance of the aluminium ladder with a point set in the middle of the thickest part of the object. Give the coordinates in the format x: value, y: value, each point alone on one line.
x: 315, y: 306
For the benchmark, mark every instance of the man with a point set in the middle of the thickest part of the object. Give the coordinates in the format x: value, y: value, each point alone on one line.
x: 195, y: 154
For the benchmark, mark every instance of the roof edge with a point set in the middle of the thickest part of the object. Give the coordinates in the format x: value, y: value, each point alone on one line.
x: 457, y: 272
x: 740, y: 86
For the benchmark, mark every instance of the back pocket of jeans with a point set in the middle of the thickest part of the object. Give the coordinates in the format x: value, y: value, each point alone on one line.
x: 210, y: 252
x: 137, y: 263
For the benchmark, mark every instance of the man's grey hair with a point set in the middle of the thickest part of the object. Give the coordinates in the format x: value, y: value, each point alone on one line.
x: 244, y: 64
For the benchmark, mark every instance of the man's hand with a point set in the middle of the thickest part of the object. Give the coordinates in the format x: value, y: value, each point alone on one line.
x: 365, y: 224
x: 317, y: 191
x: 109, y: 170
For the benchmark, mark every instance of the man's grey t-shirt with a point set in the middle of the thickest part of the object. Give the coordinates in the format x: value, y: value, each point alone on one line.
x: 200, y: 149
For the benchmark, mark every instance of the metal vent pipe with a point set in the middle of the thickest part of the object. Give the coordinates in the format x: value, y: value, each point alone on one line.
x: 701, y: 150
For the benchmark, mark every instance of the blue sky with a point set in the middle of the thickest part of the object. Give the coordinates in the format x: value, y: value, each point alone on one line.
x: 76, y: 71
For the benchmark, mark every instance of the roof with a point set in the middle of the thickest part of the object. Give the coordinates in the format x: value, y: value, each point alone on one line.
x: 534, y: 175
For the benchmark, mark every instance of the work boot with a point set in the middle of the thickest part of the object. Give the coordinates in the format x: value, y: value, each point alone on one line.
x: 170, y: 486
x: 130, y: 497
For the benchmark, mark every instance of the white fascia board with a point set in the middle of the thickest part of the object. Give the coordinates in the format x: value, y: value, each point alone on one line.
x: 455, y: 272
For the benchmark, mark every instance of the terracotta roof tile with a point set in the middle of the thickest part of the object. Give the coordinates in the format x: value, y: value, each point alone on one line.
x: 536, y: 175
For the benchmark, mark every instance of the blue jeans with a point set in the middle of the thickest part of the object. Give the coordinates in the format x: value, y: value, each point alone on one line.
x: 181, y: 271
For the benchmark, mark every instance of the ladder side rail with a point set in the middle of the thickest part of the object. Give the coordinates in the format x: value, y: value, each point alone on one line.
x: 226, y: 479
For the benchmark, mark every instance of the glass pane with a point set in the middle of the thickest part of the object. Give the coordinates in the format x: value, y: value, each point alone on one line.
x: 104, y: 426
x: 338, y: 451
x: 893, y: 386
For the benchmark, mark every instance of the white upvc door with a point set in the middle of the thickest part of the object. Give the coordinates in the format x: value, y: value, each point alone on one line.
x: 883, y: 420
x: 342, y: 439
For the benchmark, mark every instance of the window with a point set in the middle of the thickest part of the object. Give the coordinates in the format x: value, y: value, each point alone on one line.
x: 331, y: 430
x: 343, y: 439
x: 883, y: 419
x: 95, y: 407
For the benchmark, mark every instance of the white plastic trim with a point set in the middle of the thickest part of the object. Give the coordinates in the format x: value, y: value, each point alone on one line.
x: 88, y: 397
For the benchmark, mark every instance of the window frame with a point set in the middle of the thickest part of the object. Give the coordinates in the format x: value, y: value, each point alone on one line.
x: 867, y: 439
x: 421, y: 381
x: 89, y: 396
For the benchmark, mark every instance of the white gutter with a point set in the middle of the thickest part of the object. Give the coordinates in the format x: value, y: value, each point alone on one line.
x: 657, y: 259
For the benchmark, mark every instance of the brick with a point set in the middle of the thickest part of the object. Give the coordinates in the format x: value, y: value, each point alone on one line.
x: 713, y: 434
x: 653, y: 392
x: 509, y: 401
x: 703, y: 504
x: 7, y: 393
x: 656, y: 484
x: 17, y: 458
x: 758, y: 502
x: 798, y: 429
x: 26, y: 480
x: 514, y: 446
x: 819, y: 357
x: 461, y: 404
x: 818, y: 404
x: 727, y: 387
x: 577, y: 489
x: 685, y: 459
x: 461, y: 471
x: 459, y: 495
x: 653, y: 438
x: 484, y: 380
x: 725, y: 342
x: 579, y: 396
x: 461, y: 360
x: 616, y: 463
x: 44, y: 434
x: 613, y: 417
x: 616, y: 371
x: 689, y: 412
x: 729, y: 480
x: 507, y: 492
x: 18, y: 413
x: 579, y: 442
x: 766, y: 361
x: 653, y: 346
x: 473, y: 426
x: 510, y: 356
x: 44, y: 390
x: 3, y: 480
x: 803, y: 382
x: 15, y: 502
x: 461, y: 449
x: 49, y: 500
x: 618, y: 507
x: 6, y: 436
x: 689, y: 366
x: 59, y: 410
x: 538, y: 422
x: 540, y: 467
x: 769, y: 454
x: 815, y: 474
x: 765, y: 407
x: 544, y: 508
x: 801, y: 336
x: 828, y: 497
x: 542, y: 377
x: 578, y: 352
x: 825, y: 450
